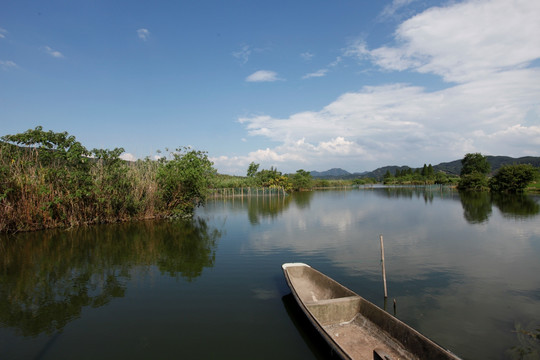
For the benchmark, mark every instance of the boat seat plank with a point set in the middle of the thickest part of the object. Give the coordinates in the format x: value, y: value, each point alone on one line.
x: 334, y: 300
x: 335, y: 311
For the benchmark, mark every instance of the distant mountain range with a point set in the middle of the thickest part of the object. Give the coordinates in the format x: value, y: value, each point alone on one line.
x: 451, y: 168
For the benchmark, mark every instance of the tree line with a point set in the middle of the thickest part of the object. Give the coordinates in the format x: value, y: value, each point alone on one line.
x: 50, y: 179
x: 420, y: 176
x: 475, y: 175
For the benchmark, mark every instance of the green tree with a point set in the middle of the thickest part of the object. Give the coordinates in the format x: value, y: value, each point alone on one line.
x: 475, y: 163
x: 388, y: 178
x: 184, y: 180
x: 430, y: 172
x: 63, y: 164
x: 474, y: 169
x: 301, y: 180
x: 513, y: 178
x: 252, y: 169
x: 54, y: 148
x: 474, y: 181
x: 267, y: 177
x: 441, y: 178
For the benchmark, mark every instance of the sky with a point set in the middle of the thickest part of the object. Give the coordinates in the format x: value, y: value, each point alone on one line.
x: 303, y: 84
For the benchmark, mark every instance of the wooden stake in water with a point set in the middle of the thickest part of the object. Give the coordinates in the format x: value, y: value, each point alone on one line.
x: 383, y: 268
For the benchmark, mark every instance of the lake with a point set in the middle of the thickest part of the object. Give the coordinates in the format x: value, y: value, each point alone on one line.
x: 463, y: 269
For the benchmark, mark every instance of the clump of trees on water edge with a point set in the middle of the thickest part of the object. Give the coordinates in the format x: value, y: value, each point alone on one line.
x: 50, y: 179
x: 475, y: 175
x: 272, y: 178
x: 419, y: 176
x: 476, y: 169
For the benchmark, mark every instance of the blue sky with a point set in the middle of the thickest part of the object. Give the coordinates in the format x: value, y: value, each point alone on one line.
x: 291, y: 84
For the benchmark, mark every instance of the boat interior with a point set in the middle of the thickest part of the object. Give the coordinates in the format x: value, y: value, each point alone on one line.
x: 361, y: 329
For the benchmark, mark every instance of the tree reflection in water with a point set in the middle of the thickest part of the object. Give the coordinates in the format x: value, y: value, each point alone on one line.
x: 477, y: 206
x: 47, y: 280
x: 516, y: 206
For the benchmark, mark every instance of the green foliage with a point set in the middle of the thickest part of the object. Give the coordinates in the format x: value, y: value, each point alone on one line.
x: 184, y: 180
x: 323, y: 183
x: 50, y: 180
x: 387, y: 177
x: 281, y: 182
x: 364, y: 181
x: 419, y: 176
x: 301, y: 180
x: 264, y: 177
x: 476, y: 162
x: 474, y: 181
x: 474, y: 169
x: 513, y: 178
x: 252, y: 170
x: 56, y: 166
x: 442, y: 178
x: 231, y: 182
x: 56, y: 148
x: 112, y: 185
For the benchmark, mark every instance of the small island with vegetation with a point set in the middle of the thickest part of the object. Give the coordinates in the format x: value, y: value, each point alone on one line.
x: 49, y: 180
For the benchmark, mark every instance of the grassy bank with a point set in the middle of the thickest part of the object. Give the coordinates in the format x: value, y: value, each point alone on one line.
x: 50, y: 180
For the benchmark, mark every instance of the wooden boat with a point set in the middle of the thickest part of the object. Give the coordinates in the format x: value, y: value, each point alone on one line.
x: 354, y: 327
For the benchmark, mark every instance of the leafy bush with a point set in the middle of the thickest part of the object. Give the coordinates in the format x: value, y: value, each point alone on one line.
x: 49, y: 179
x: 473, y: 173
x: 474, y: 181
x: 513, y: 178
x: 301, y: 180
x: 475, y: 163
x: 184, y: 180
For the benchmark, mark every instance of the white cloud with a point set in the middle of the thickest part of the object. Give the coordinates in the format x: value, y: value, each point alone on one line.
x: 3, y: 33
x: 7, y: 64
x: 318, y: 73
x: 243, y: 54
x: 128, y: 157
x: 391, y: 9
x: 407, y: 125
x: 486, y: 52
x: 307, y: 56
x: 465, y: 41
x: 263, y: 76
x: 53, y: 53
x: 143, y: 34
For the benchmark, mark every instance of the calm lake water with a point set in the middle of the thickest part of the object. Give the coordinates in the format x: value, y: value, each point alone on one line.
x: 464, y: 270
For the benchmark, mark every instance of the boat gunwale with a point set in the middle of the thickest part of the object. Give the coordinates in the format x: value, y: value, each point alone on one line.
x: 447, y: 354
x: 318, y: 326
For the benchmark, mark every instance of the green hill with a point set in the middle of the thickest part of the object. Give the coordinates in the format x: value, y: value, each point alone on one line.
x: 451, y: 168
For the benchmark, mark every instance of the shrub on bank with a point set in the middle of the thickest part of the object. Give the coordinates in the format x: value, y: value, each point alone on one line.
x: 49, y: 179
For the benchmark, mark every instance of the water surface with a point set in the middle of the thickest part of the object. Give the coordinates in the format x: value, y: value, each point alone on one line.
x: 463, y: 270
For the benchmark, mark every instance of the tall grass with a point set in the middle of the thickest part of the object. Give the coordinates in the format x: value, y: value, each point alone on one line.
x: 54, y: 181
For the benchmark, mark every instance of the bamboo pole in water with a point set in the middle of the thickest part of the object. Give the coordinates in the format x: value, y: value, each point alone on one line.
x: 383, y: 267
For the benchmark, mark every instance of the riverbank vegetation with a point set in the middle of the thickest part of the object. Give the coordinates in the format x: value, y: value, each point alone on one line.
x: 419, y: 176
x: 301, y: 180
x: 50, y: 180
x: 516, y: 178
